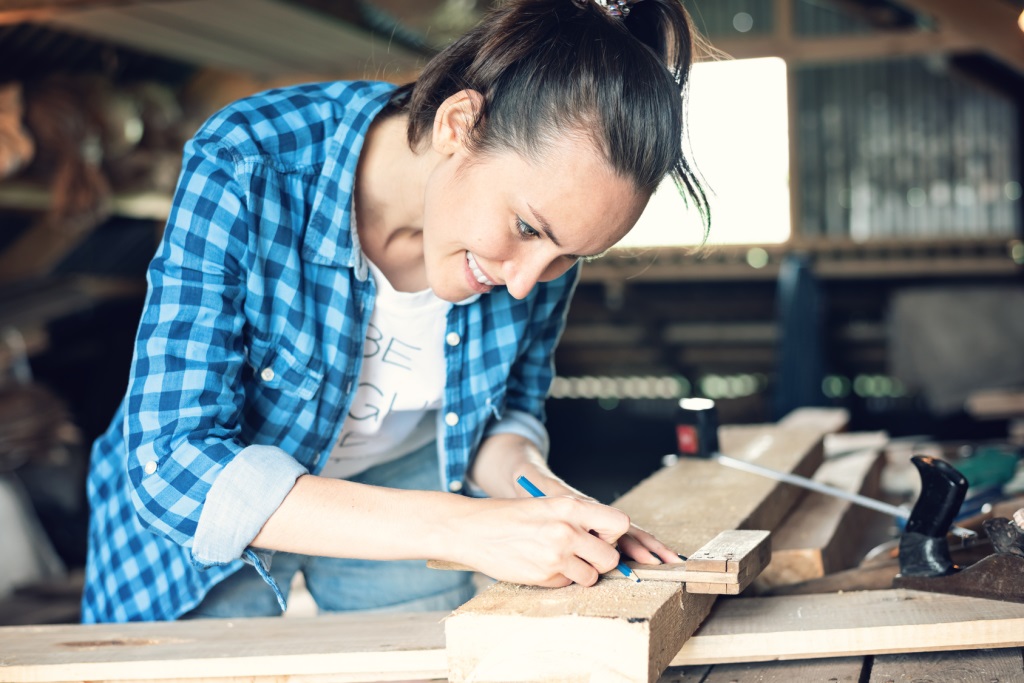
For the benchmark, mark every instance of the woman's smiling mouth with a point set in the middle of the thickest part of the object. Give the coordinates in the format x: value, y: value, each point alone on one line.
x: 480, y: 276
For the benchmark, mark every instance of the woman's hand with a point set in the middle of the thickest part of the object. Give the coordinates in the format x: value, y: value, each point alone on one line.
x: 552, y: 542
x: 552, y: 561
x: 643, y: 547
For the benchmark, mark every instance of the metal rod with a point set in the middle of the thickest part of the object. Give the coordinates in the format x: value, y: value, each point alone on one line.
x: 810, y: 484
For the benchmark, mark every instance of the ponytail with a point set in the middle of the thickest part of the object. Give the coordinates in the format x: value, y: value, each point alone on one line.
x: 547, y: 68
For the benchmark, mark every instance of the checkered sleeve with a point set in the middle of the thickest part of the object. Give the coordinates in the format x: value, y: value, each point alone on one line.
x: 181, y: 425
x: 533, y: 371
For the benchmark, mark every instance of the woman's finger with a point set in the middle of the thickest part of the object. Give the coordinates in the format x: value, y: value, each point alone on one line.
x: 644, y: 547
x: 632, y: 548
x: 581, y: 572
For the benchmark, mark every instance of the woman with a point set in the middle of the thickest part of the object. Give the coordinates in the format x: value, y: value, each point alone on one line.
x: 351, y: 322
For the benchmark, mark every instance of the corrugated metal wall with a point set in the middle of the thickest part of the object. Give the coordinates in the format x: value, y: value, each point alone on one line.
x: 889, y: 149
x: 902, y: 149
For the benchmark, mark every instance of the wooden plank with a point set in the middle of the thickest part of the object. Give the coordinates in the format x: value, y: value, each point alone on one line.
x: 824, y: 534
x: 833, y: 670
x: 685, y: 674
x: 347, y: 648
x: 977, y: 666
x: 624, y: 631
x: 990, y: 24
x: 396, y: 647
x: 993, y: 404
x: 850, y: 624
x: 889, y: 44
x: 569, y: 634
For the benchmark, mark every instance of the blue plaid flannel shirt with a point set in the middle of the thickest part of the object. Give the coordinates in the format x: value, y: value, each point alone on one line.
x: 250, y: 342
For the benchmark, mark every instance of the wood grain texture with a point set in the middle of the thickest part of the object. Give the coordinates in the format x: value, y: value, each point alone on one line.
x: 824, y: 534
x: 831, y: 670
x: 848, y: 624
x: 570, y: 634
x: 381, y: 647
x: 617, y: 631
x: 975, y: 666
x: 404, y: 647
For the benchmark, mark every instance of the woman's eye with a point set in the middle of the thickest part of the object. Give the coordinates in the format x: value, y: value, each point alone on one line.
x: 526, y: 231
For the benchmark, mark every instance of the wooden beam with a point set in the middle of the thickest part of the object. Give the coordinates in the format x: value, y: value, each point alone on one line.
x: 846, y: 624
x: 18, y: 11
x: 824, y: 534
x: 395, y: 647
x: 988, y: 665
x: 833, y: 49
x: 992, y: 404
x: 833, y: 670
x: 339, y: 648
x: 620, y: 631
x: 991, y: 25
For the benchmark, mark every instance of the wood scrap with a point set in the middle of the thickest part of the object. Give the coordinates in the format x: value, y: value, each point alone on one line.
x: 626, y: 631
x: 876, y: 575
x: 984, y: 666
x: 869, y: 622
x: 825, y: 534
x: 342, y: 648
x: 833, y: 670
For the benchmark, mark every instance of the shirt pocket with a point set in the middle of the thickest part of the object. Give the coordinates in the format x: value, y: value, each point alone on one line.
x: 281, y: 367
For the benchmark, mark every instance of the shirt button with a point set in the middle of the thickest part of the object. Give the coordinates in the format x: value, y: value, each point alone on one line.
x: 453, y: 339
x: 455, y: 486
x: 451, y: 419
x: 149, y: 467
x: 267, y: 375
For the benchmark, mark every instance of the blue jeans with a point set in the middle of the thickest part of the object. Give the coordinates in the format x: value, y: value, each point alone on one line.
x: 344, y: 585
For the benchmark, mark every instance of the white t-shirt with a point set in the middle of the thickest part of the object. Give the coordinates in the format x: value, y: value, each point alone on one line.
x: 401, y: 386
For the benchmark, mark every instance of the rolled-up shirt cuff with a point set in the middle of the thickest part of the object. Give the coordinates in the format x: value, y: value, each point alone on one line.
x: 241, y: 500
x: 525, y: 425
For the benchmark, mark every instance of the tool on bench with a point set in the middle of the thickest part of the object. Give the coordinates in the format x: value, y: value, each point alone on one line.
x: 697, y: 435
x: 925, y: 562
x: 725, y: 565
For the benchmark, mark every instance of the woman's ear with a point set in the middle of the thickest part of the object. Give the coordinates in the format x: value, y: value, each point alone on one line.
x: 454, y: 121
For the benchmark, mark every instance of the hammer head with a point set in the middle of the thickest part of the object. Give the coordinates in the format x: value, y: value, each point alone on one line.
x: 696, y: 428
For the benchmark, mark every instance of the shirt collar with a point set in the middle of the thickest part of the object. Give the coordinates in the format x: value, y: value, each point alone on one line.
x: 330, y: 237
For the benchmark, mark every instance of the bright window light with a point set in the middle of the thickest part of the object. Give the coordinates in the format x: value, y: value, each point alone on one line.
x: 739, y: 136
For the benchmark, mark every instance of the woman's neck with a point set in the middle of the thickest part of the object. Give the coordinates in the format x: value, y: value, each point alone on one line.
x: 389, y: 191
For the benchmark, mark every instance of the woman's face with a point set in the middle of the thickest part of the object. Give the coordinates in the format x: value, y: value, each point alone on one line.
x: 505, y: 220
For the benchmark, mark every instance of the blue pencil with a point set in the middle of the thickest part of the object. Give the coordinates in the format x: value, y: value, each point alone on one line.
x: 537, y: 493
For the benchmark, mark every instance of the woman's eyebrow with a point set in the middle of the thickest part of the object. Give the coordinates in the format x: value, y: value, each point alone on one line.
x: 545, y: 227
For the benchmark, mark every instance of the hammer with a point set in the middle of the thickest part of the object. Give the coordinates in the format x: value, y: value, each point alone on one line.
x: 697, y: 436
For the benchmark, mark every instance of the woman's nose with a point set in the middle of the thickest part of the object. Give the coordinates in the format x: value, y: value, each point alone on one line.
x: 523, y: 274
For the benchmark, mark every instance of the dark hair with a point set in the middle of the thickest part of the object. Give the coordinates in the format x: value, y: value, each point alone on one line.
x: 546, y: 67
